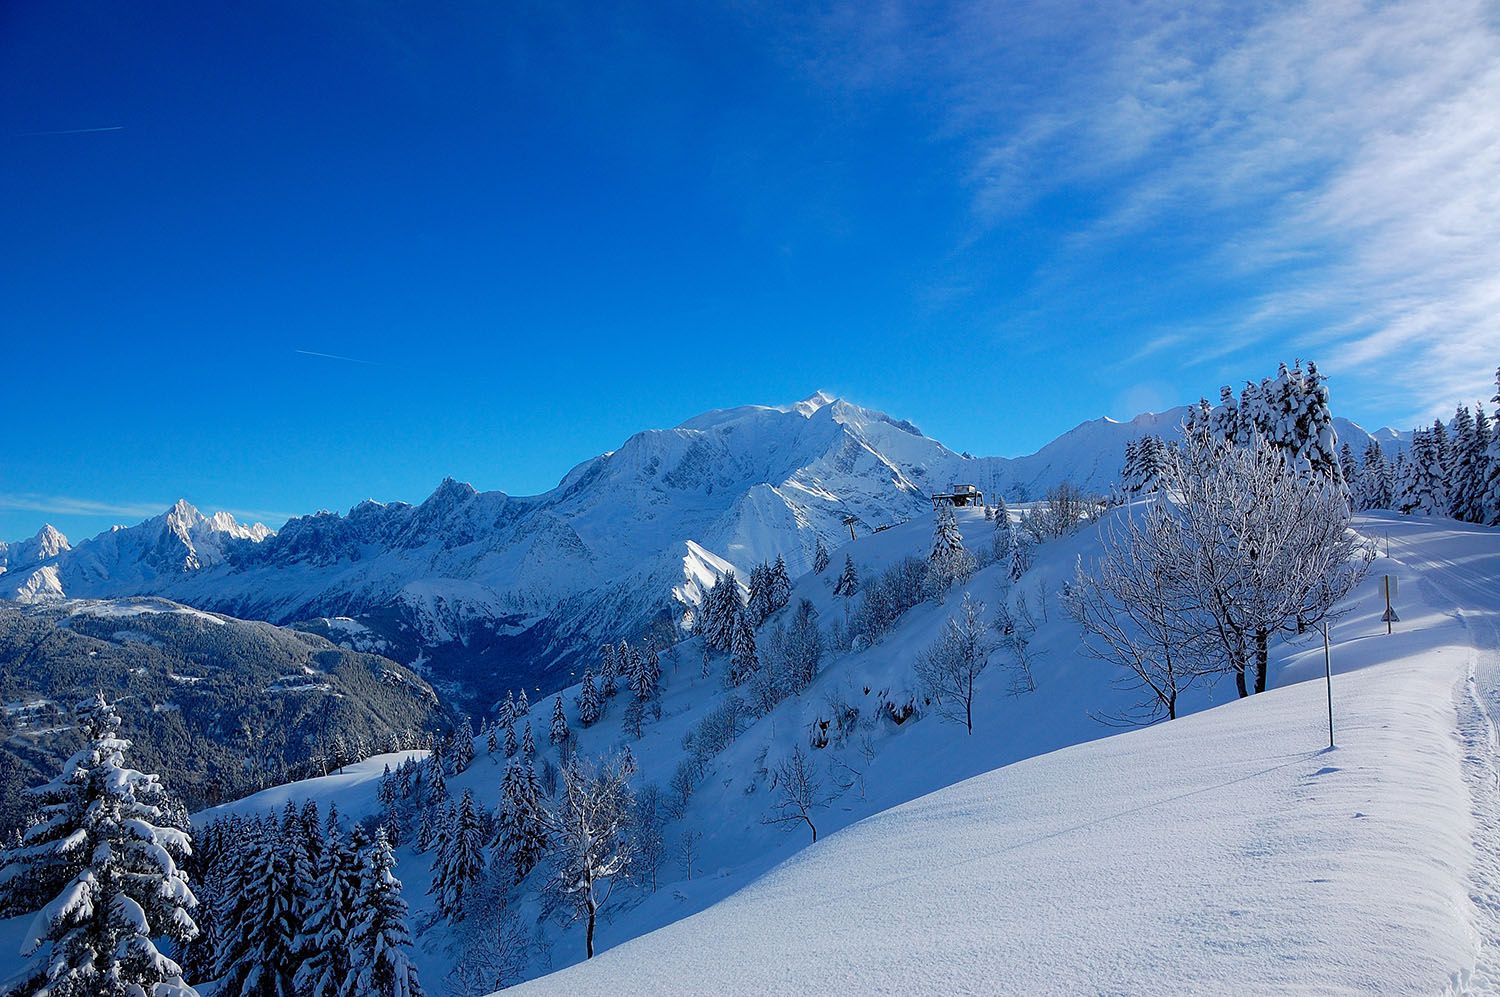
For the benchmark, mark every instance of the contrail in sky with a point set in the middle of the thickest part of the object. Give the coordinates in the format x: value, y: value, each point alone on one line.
x: 71, y: 131
x: 335, y: 356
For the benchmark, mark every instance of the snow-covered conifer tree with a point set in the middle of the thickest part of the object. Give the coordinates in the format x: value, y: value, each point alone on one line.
x: 848, y: 583
x: 491, y: 739
x: 463, y: 745
x: 1224, y: 421
x: 103, y: 840
x: 758, y: 604
x: 460, y: 860
x: 528, y: 745
x: 328, y: 928
x: 820, y: 557
x: 1492, y: 469
x: 588, y: 700
x: 521, y: 830
x: 1130, y: 469
x: 379, y: 958
x: 779, y: 585
x: 949, y: 563
x: 259, y: 957
x: 1420, y: 490
x: 609, y: 671
x: 743, y: 661
x: 1466, y: 470
x: 437, y: 784
x: 510, y: 740
x: 560, y: 733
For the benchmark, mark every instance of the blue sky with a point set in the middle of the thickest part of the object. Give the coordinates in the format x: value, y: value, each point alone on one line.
x: 531, y: 229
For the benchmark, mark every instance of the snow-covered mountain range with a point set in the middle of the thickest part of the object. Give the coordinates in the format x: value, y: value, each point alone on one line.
x: 489, y: 590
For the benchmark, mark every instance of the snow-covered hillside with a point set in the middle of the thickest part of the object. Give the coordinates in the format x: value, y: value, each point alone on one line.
x: 491, y: 591
x: 1230, y: 851
x: 1228, y: 835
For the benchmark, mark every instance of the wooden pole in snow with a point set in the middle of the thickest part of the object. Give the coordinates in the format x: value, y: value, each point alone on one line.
x: 1328, y: 677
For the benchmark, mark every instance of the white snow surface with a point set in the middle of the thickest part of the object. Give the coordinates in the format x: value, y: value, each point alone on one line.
x: 1228, y: 851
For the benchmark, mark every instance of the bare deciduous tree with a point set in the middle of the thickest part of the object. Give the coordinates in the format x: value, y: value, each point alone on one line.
x: 589, y: 828
x: 799, y: 792
x: 1135, y: 615
x: 949, y: 668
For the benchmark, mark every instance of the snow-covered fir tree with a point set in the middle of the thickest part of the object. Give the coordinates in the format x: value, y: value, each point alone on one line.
x: 1421, y: 490
x: 848, y: 583
x: 435, y: 783
x: 609, y: 670
x: 328, y: 926
x: 949, y: 563
x: 462, y: 754
x: 1466, y: 473
x: 820, y: 557
x: 491, y: 739
x: 460, y: 860
x: 588, y: 700
x: 426, y: 830
x: 559, y: 735
x: 743, y: 661
x: 758, y: 603
x: 380, y: 950
x: 510, y: 746
x: 258, y: 954
x: 1374, y: 491
x: 103, y: 840
x: 521, y: 834
x: 779, y: 584
x: 1492, y: 468
x: 528, y: 744
x: 1020, y: 555
x: 802, y: 648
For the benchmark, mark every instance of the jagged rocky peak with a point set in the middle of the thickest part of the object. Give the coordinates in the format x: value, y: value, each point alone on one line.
x: 49, y: 542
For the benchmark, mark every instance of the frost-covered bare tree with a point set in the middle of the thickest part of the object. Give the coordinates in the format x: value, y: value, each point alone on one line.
x: 592, y: 849
x: 949, y: 668
x: 1250, y: 547
x: 1137, y: 613
x: 799, y: 792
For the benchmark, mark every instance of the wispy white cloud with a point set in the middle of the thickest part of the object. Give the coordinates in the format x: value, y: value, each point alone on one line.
x: 1334, y: 162
x: 68, y: 505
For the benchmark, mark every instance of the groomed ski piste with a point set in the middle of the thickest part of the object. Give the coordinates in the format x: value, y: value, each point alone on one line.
x: 1227, y: 851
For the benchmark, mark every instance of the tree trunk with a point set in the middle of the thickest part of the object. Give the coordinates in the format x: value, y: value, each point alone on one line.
x: 1262, y: 656
x: 813, y: 826
x: 1239, y: 681
x: 589, y: 936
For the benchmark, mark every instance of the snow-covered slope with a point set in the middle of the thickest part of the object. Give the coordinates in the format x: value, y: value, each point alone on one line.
x: 1219, y: 841
x: 493, y: 591
x: 1229, y: 851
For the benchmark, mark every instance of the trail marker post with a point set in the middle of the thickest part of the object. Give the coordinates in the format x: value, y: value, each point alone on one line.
x: 1328, y: 678
x: 1389, y: 616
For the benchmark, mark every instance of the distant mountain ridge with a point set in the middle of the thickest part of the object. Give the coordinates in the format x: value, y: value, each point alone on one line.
x: 487, y: 590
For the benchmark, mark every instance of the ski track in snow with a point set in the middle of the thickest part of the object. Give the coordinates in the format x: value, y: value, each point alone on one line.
x: 1476, y: 606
